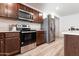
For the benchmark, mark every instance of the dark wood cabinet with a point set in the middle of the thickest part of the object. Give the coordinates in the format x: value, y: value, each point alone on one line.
x: 12, y: 45
x: 40, y: 37
x: 1, y: 46
x: 9, y: 43
x: 71, y: 45
x: 40, y: 17
x: 12, y: 10
x: 35, y: 16
x: 21, y: 6
x: 3, y: 10
x: 29, y: 9
x: 8, y: 10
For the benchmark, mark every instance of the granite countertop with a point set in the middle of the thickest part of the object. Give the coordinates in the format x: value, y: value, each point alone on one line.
x: 71, y: 32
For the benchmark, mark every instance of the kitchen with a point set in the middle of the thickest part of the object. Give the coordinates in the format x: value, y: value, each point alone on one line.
x: 22, y: 24
x: 25, y: 30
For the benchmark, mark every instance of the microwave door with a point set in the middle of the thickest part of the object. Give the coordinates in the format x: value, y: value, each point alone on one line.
x: 25, y: 16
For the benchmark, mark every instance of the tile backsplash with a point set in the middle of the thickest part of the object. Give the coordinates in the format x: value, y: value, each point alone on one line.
x: 4, y: 24
x: 33, y: 26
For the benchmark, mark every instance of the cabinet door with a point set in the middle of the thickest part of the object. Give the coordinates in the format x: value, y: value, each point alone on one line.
x: 12, y: 10
x: 21, y: 6
x: 12, y: 45
x: 35, y: 16
x: 0, y: 10
x: 40, y: 37
x: 71, y: 45
x: 1, y: 47
x: 40, y: 17
x: 1, y: 43
x: 3, y: 9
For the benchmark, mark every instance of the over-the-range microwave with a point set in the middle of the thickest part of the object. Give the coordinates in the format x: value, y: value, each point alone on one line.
x: 25, y: 15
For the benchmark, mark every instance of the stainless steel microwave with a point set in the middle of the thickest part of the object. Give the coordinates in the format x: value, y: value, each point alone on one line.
x: 25, y: 15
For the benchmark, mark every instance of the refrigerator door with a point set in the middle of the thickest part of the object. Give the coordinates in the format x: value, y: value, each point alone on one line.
x: 45, y: 28
x: 51, y: 30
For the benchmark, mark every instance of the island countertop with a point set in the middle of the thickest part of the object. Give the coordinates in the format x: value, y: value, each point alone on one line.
x: 71, y: 32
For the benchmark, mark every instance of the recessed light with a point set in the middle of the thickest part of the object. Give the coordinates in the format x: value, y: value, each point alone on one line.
x: 57, y: 8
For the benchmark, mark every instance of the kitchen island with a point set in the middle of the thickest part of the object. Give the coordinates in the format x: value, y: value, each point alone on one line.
x: 71, y: 43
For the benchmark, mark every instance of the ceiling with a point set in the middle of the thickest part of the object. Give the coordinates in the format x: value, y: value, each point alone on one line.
x: 61, y: 9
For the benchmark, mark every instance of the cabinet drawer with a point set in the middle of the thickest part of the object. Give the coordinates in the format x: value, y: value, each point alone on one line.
x: 1, y: 36
x: 12, y: 34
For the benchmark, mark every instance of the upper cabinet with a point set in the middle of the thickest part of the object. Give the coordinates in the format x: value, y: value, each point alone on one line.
x: 3, y: 10
x: 10, y: 10
x: 35, y: 16
x: 21, y: 6
x: 40, y: 17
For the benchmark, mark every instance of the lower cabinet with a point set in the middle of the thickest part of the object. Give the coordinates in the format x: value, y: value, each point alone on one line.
x: 40, y: 37
x: 1, y: 47
x: 71, y: 45
x: 10, y: 44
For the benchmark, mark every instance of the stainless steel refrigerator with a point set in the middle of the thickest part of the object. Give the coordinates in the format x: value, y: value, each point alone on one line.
x: 49, y: 28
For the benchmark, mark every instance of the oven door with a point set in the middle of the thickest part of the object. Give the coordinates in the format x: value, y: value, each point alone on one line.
x: 28, y: 38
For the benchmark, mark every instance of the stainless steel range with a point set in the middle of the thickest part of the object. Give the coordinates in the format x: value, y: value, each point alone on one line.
x: 27, y: 36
